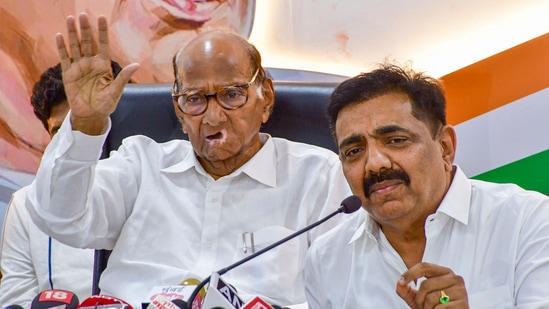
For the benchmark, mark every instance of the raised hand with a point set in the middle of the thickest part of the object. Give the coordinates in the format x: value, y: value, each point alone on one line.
x: 440, y: 281
x: 92, y: 91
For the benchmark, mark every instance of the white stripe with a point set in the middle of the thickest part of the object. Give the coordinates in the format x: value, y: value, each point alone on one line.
x: 504, y: 135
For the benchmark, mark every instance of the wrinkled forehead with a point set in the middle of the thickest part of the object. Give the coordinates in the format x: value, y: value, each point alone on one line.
x: 217, y: 57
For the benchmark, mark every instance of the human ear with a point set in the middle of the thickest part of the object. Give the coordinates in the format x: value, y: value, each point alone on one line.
x: 179, y: 115
x: 268, y: 98
x: 447, y: 140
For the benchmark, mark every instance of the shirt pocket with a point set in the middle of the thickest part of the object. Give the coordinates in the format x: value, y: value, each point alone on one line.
x: 275, y: 273
x: 494, y: 298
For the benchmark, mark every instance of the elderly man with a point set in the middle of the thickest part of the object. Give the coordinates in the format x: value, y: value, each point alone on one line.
x: 182, y: 209
x: 442, y: 240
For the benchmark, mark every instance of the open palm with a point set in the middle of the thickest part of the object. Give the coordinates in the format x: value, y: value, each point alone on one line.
x: 91, y: 89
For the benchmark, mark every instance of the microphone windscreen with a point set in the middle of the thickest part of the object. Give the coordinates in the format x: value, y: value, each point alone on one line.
x: 101, y: 300
x: 351, y: 204
x: 54, y: 298
x: 13, y: 307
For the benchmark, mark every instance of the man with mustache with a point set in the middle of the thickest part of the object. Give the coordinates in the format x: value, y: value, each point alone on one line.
x: 440, y: 239
x: 183, y: 209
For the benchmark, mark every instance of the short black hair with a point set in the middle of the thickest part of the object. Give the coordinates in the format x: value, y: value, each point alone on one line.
x: 425, y: 93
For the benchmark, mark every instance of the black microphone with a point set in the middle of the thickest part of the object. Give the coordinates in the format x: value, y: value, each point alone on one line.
x: 13, y: 307
x: 180, y: 303
x: 54, y: 298
x: 349, y: 205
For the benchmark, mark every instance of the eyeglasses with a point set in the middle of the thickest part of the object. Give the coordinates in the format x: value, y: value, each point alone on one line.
x: 196, y: 102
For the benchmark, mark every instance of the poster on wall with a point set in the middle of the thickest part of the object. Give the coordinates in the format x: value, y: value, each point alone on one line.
x: 145, y: 31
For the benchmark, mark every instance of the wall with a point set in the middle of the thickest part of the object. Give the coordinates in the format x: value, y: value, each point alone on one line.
x: 448, y: 39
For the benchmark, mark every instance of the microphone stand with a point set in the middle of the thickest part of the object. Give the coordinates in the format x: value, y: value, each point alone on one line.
x: 276, y: 244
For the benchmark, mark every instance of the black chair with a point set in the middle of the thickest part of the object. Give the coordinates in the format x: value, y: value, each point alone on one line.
x: 147, y: 109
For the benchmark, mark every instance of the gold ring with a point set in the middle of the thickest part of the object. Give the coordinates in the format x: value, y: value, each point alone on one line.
x: 444, y: 299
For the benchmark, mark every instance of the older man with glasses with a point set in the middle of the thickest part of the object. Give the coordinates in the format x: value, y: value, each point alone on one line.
x: 184, y: 209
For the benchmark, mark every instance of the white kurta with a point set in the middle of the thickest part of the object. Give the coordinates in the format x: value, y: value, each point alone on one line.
x: 495, y: 236
x: 167, y: 220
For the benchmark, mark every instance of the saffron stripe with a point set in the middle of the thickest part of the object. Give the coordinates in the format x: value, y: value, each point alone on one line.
x: 497, y: 80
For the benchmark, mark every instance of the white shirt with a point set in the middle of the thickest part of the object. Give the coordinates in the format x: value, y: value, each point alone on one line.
x: 26, y: 256
x: 168, y: 220
x: 495, y: 236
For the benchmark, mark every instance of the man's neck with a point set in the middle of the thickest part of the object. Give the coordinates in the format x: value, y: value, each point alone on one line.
x: 408, y: 242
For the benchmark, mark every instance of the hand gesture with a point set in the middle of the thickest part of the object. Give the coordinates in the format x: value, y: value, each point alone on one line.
x: 441, y: 289
x: 92, y: 91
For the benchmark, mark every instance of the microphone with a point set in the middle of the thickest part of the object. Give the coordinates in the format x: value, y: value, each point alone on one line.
x: 55, y: 298
x: 349, y: 205
x: 162, y: 302
x: 257, y: 303
x: 220, y: 294
x: 103, y: 302
x: 13, y: 307
x: 172, y: 292
x: 181, y: 304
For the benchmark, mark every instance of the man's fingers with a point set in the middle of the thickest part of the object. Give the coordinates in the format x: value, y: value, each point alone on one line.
x: 407, y: 293
x: 63, y: 54
x: 126, y: 74
x: 74, y: 45
x: 86, y: 40
x: 103, y: 38
x: 426, y: 270
x: 124, y: 77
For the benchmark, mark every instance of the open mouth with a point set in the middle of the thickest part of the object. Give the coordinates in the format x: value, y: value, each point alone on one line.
x: 218, y: 137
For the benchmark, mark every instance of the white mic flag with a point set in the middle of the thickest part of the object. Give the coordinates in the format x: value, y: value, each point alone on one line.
x: 220, y: 294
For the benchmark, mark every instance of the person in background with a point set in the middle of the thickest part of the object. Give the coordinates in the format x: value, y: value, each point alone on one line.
x: 31, y: 261
x: 183, y: 209
x: 441, y: 239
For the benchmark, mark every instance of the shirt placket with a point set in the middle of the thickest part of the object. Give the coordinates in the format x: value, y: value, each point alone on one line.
x: 209, y: 243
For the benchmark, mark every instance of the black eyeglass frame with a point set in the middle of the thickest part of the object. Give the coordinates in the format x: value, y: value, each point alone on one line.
x: 176, y: 96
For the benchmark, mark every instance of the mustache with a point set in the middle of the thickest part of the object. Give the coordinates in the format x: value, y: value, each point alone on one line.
x: 382, y: 176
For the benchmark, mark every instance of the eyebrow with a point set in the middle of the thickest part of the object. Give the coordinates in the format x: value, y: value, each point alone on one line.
x: 351, y: 140
x: 390, y: 129
x: 355, y: 138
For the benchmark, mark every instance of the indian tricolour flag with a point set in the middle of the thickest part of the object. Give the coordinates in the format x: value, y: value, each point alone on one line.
x: 500, y: 109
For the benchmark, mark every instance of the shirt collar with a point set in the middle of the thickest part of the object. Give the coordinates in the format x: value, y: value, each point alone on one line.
x: 188, y: 161
x: 455, y: 204
x: 261, y: 167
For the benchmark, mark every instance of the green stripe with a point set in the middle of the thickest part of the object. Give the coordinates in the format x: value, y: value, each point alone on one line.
x: 531, y: 173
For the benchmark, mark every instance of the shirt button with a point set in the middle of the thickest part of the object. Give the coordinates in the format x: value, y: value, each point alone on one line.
x: 207, y: 244
x: 214, y: 199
